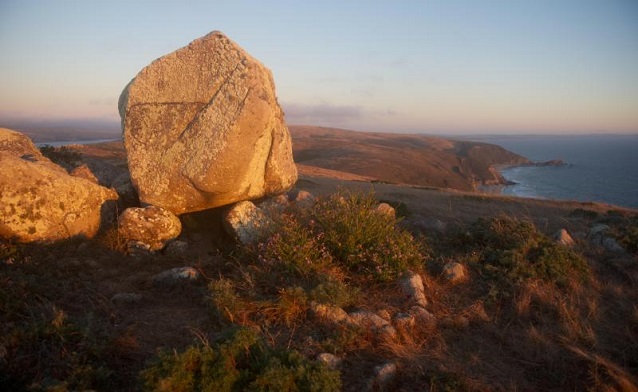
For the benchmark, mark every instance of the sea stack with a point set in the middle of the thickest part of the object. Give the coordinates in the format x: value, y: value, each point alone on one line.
x: 202, y: 128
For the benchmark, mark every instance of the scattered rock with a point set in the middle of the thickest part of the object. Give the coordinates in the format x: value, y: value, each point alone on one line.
x: 301, y: 198
x: 454, y: 272
x: 404, y: 322
x: 329, y: 313
x: 203, y: 129
x: 246, y: 222
x: 176, y: 248
x: 412, y: 286
x: 383, y: 376
x: 367, y: 319
x: 176, y: 276
x: 386, y: 209
x: 562, y: 237
x: 275, y: 204
x: 421, y: 224
x: 332, y: 361
x: 597, y: 234
x: 126, y: 298
x: 152, y: 225
x: 612, y: 245
x: 422, y: 316
x: 83, y: 171
x: 40, y: 201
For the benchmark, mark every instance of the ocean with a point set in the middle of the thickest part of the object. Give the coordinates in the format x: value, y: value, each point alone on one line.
x: 600, y: 168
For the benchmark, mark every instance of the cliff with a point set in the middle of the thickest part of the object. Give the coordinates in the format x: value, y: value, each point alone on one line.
x: 402, y: 158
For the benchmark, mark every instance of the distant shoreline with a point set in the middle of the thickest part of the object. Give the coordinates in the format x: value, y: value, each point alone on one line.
x: 71, y: 142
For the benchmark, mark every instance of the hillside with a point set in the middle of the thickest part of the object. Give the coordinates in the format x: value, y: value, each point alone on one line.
x: 402, y: 158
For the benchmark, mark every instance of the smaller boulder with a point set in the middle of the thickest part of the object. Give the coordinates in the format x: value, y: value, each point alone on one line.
x: 275, y: 204
x: 422, y: 316
x: 562, y: 237
x: 454, y: 272
x: 597, y: 234
x: 386, y: 209
x: 246, y: 222
x: 332, y: 361
x: 153, y: 226
x: 331, y: 314
x: 301, y: 198
x: 176, y: 276
x: 367, y: 319
x: 383, y: 377
x: 412, y: 286
x: 612, y: 245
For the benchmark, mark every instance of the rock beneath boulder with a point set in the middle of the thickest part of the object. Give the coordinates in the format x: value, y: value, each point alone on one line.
x: 176, y: 276
x: 412, y: 286
x: 246, y: 222
x: 386, y: 209
x: 202, y: 129
x: 275, y: 205
x: 332, y: 361
x: 329, y: 313
x: 454, y: 272
x: 40, y: 201
x: 151, y: 225
x: 301, y: 198
x: 83, y: 171
x: 562, y: 237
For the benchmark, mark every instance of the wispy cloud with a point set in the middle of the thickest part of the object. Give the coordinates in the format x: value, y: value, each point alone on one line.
x: 312, y: 113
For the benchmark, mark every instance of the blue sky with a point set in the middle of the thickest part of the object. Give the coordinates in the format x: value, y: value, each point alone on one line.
x: 401, y: 66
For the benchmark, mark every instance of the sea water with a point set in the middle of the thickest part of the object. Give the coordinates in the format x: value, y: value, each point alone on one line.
x: 599, y: 168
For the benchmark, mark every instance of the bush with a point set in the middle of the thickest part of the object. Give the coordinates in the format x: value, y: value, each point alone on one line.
x: 364, y: 241
x: 241, y: 361
x: 61, y: 155
x: 513, y: 251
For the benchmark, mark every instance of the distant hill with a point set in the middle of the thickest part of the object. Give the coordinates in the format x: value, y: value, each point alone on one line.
x: 66, y: 131
x: 402, y: 158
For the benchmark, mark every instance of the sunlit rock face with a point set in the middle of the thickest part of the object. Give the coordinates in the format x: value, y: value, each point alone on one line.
x: 202, y: 128
x: 40, y: 201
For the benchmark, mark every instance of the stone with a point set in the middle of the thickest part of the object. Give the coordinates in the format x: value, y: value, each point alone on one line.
x: 386, y: 209
x: 83, y: 171
x: 597, y: 234
x: 412, y: 286
x: 332, y: 361
x: 404, y: 322
x: 40, y: 201
x: 612, y: 245
x: 176, y: 248
x: 176, y: 276
x: 301, y: 198
x: 454, y: 272
x: 562, y: 237
x: 246, y: 222
x: 383, y: 375
x: 329, y: 313
x: 202, y: 129
x: 422, y: 316
x: 152, y: 225
x: 367, y: 319
x: 275, y: 205
x: 126, y: 298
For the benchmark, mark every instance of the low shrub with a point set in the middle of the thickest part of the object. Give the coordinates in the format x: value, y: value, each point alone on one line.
x: 61, y: 155
x: 241, y: 361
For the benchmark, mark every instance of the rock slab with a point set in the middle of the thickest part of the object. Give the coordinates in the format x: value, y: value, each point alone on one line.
x: 40, y: 201
x: 202, y: 128
x: 152, y: 225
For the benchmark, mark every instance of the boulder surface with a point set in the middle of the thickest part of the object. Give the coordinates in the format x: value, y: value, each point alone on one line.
x: 202, y: 128
x: 40, y: 201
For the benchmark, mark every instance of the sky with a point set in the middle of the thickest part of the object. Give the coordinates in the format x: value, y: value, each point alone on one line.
x: 438, y: 67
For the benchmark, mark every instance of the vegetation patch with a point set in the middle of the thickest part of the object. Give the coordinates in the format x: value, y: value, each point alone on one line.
x: 241, y: 361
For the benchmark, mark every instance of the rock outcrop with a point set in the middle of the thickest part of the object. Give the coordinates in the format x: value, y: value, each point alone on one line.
x: 202, y: 129
x: 40, y: 201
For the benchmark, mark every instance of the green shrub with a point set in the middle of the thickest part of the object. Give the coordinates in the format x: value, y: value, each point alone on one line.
x: 336, y: 293
x: 627, y: 234
x: 239, y: 362
x: 363, y: 240
x: 512, y: 251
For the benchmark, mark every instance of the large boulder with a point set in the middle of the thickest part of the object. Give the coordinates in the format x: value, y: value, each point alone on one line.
x: 202, y: 129
x: 40, y: 201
